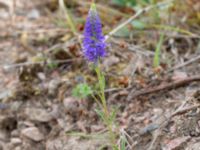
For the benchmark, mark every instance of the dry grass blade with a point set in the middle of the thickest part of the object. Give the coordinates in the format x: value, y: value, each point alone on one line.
x: 168, y: 86
x: 68, y: 17
x: 141, y: 11
x: 197, y: 58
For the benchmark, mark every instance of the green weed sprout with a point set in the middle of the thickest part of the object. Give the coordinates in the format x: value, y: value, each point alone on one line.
x: 156, y: 60
x: 82, y: 91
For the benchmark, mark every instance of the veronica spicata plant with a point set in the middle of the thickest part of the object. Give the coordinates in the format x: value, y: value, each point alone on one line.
x: 93, y: 43
x: 93, y: 47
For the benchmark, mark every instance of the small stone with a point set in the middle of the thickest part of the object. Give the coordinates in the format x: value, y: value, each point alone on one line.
x: 53, y: 86
x: 39, y: 115
x: 33, y: 14
x: 3, y: 135
x: 178, y: 75
x: 16, y: 141
x: 110, y: 61
x: 4, y: 95
x: 2, y: 145
x: 41, y: 76
x: 55, y: 113
x: 27, y: 124
x: 148, y: 129
x: 18, y: 148
x: 33, y: 133
x: 71, y: 104
x: 15, y: 106
x: 15, y: 133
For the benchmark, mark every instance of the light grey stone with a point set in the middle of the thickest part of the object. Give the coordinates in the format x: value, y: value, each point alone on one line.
x: 33, y: 133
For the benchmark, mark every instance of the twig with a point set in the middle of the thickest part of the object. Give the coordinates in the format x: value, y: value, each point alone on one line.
x: 168, y: 34
x: 176, y: 29
x: 69, y: 20
x: 127, y: 137
x: 192, y: 60
x: 174, y: 84
x: 62, y: 45
x: 115, y: 89
x: 140, y: 50
x: 135, y: 48
x: 42, y: 31
x: 103, y: 8
x: 141, y: 11
x: 182, y: 111
x: 6, y: 67
x: 68, y: 17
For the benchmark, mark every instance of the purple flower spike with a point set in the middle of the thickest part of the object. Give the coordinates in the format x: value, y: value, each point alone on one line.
x: 93, y: 43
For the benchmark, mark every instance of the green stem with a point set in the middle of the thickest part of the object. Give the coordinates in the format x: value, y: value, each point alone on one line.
x: 101, y: 81
x: 96, y: 100
x: 102, y: 87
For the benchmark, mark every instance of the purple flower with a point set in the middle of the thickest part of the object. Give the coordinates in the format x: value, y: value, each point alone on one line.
x: 93, y: 43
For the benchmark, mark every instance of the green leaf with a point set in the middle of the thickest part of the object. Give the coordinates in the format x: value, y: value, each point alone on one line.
x: 119, y: 2
x: 123, y: 143
x: 129, y: 3
x: 101, y: 114
x: 146, y: 1
x: 102, y: 81
x: 82, y: 90
x: 138, y: 24
x: 52, y: 65
x: 112, y: 116
x: 123, y: 32
x: 156, y: 61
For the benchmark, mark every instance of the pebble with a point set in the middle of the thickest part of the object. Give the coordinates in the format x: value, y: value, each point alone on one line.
x: 148, y: 129
x: 110, y: 61
x: 41, y: 76
x: 36, y: 114
x: 2, y: 146
x: 5, y: 94
x: 16, y: 141
x: 18, y: 148
x: 53, y: 86
x: 33, y: 133
x: 33, y: 14
x: 71, y: 104
x: 15, y: 133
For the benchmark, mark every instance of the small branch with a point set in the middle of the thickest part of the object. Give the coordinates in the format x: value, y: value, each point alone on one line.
x: 135, y: 48
x: 192, y: 60
x: 174, y: 84
x: 115, y: 89
x: 140, y: 50
x: 104, y: 9
x: 184, y: 110
x: 68, y: 17
x: 6, y: 67
x: 141, y: 11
